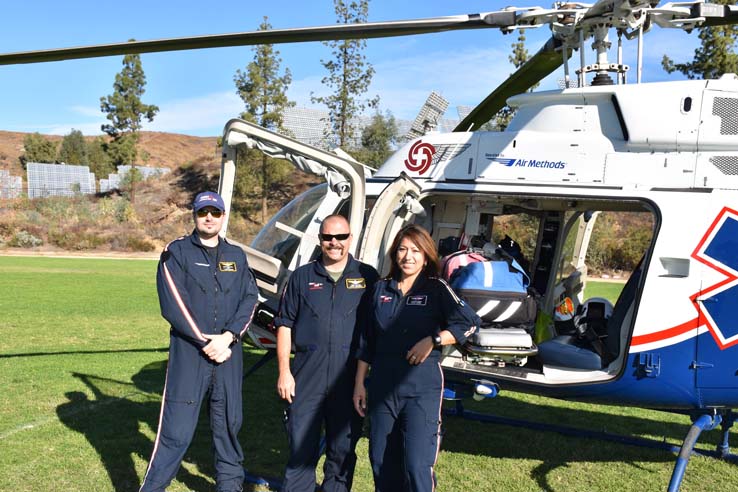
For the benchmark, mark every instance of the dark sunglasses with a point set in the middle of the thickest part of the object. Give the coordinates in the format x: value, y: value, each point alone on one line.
x: 329, y: 237
x: 203, y: 212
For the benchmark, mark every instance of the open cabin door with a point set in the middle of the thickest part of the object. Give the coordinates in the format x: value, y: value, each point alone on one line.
x: 395, y: 206
x: 296, y: 226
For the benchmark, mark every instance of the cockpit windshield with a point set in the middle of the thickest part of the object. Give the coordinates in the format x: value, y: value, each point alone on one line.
x: 275, y: 238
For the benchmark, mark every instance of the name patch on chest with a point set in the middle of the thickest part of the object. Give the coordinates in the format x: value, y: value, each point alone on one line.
x: 227, y: 266
x: 384, y: 299
x: 355, y: 283
x: 315, y: 285
x: 417, y: 300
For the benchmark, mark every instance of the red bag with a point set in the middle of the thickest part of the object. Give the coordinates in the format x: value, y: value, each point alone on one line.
x: 454, y: 261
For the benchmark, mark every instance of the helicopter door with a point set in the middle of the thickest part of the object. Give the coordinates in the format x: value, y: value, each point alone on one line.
x: 290, y: 237
x: 715, y: 364
x: 395, y: 206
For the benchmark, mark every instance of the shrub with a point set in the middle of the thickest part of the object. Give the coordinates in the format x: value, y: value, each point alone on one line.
x: 24, y: 239
x: 131, y: 241
x: 75, y: 238
x: 124, y: 212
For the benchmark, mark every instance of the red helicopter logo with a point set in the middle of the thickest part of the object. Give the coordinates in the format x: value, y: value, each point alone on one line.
x: 420, y: 157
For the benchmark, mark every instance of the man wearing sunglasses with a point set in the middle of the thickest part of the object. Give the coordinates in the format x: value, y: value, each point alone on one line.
x: 208, y: 296
x: 321, y: 307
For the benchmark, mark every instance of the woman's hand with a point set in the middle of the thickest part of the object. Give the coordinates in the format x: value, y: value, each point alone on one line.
x: 360, y: 399
x: 420, y: 351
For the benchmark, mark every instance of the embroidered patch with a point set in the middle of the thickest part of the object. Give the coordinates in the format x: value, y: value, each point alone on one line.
x: 417, y: 300
x: 384, y: 299
x: 227, y: 266
x: 315, y: 285
x: 470, y: 331
x: 355, y: 283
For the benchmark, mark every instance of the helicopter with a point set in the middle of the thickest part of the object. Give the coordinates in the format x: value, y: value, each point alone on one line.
x: 664, y: 154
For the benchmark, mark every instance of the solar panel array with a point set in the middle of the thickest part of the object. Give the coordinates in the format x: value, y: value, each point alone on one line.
x: 312, y: 126
x: 10, y: 186
x: 114, y: 179
x: 309, y: 126
x: 58, y: 180
x: 428, y: 117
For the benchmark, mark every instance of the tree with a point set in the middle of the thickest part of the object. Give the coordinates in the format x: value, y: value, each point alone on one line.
x: 37, y: 148
x: 264, y: 93
x: 73, y: 149
x: 126, y: 111
x: 715, y: 55
x: 98, y: 158
x: 130, y: 181
x: 349, y: 74
x: 377, y: 140
x: 518, y: 57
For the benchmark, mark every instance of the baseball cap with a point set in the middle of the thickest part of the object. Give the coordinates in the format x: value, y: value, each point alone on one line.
x: 208, y: 199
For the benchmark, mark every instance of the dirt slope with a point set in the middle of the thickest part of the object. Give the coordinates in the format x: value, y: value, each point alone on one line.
x: 163, y: 149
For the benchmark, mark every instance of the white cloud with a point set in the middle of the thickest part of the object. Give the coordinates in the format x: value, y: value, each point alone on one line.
x: 91, y: 111
x: 86, y: 128
x: 202, y: 115
x: 403, y: 84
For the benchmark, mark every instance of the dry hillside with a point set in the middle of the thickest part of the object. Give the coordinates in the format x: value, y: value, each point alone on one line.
x: 163, y: 149
x: 143, y: 221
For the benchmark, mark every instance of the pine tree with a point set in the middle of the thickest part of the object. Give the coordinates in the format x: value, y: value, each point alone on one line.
x: 37, y: 148
x: 99, y: 160
x: 73, y: 149
x: 126, y: 111
x: 264, y: 93
x: 714, y: 57
x: 518, y: 57
x: 377, y: 140
x: 349, y: 74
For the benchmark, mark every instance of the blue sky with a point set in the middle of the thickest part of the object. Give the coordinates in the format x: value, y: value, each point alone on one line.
x: 194, y: 89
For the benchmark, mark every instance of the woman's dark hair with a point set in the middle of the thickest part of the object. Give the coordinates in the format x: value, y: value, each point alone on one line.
x: 423, y: 241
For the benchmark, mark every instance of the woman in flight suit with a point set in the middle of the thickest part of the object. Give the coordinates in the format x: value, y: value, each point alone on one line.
x: 414, y: 313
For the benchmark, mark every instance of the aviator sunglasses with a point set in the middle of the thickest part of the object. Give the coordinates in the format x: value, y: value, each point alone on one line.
x: 329, y: 237
x: 203, y: 212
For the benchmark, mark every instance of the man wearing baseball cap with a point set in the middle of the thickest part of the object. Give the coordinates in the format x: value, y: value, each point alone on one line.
x: 208, y: 296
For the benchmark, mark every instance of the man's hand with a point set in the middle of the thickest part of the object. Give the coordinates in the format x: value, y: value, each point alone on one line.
x: 286, y: 386
x: 360, y: 399
x: 224, y: 356
x: 218, y: 349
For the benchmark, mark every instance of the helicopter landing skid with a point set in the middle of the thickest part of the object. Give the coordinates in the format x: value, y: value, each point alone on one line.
x: 685, y: 451
x: 700, y: 423
x: 268, y: 482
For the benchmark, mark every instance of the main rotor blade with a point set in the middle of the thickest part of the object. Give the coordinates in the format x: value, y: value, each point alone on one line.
x: 533, y: 71
x: 275, y: 36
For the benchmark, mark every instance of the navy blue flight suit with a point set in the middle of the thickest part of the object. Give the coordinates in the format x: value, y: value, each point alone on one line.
x: 201, y: 291
x: 323, y: 316
x: 405, y: 400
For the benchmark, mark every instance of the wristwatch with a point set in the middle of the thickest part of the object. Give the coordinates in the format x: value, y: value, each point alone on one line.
x: 437, y: 341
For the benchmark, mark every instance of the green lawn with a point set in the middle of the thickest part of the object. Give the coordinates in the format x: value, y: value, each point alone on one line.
x: 82, y: 361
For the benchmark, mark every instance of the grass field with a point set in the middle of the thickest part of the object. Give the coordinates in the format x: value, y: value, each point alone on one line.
x: 82, y: 358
